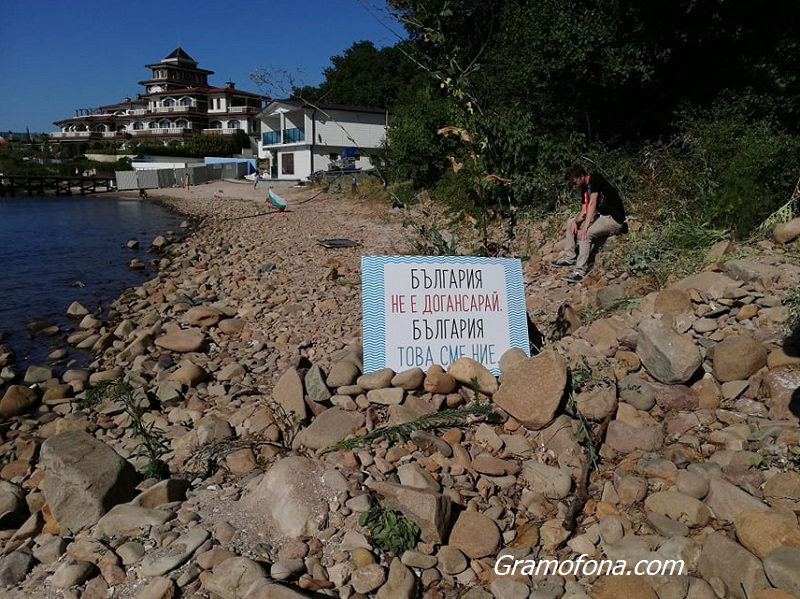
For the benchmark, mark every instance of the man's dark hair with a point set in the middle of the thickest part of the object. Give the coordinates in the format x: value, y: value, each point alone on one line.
x: 574, y: 171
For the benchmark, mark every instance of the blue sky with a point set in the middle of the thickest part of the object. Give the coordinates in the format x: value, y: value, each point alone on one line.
x: 57, y: 56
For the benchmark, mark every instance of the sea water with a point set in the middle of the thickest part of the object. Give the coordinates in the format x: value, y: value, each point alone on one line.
x: 57, y: 250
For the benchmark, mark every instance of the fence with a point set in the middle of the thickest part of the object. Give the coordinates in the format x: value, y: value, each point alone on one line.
x: 172, y: 177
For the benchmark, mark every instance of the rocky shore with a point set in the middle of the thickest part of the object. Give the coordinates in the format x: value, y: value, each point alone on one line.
x: 664, y: 431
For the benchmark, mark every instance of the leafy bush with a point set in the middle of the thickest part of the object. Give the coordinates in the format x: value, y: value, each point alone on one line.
x: 389, y: 530
x: 750, y: 166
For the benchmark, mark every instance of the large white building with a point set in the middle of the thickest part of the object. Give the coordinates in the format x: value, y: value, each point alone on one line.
x: 298, y: 139
x: 178, y: 102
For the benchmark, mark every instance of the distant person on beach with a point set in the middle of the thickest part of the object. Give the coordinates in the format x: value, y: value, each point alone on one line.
x: 602, y: 215
x: 143, y: 194
x: 256, y: 179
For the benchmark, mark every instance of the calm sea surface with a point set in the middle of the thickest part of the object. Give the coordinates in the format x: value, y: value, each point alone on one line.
x: 54, y: 251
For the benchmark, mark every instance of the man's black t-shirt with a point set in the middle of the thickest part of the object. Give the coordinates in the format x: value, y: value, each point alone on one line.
x: 609, y: 202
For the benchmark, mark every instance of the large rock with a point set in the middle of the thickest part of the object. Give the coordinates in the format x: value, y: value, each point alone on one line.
x: 712, y: 284
x: 679, y: 506
x: 231, y: 578
x: 293, y: 495
x: 739, y: 570
x: 670, y: 358
x: 532, y: 389
x: 737, y: 357
x: 625, y: 438
x: 780, y: 385
x: 762, y: 531
x: 787, y: 232
x: 288, y: 392
x: 84, y: 478
x: 182, y: 341
x: 782, y: 566
x: 429, y: 510
x: 727, y: 501
x: 475, y: 534
x: 328, y: 428
x: 17, y: 400
x: 466, y: 371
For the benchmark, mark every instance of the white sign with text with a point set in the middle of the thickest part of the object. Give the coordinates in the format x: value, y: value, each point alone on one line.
x: 424, y: 310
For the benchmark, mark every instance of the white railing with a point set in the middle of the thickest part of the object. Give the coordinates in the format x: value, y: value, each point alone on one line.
x: 162, y: 109
x: 161, y: 131
x: 242, y: 109
x: 138, y: 111
x: 220, y: 131
x: 72, y: 134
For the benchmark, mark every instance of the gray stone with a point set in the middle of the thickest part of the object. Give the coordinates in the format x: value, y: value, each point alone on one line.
x: 727, y: 501
x: 636, y: 392
x: 292, y: 494
x: 84, y: 478
x: 553, y: 483
x: 781, y: 567
x: 160, y: 561
x: 400, y: 584
x: 736, y: 568
x: 670, y: 358
x: 14, y: 567
x: 130, y: 520
x: 429, y: 510
x: 315, y: 384
x: 231, y: 578
x: 328, y: 428
x: 679, y: 506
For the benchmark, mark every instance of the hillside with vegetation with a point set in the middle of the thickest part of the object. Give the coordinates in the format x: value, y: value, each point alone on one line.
x: 690, y: 107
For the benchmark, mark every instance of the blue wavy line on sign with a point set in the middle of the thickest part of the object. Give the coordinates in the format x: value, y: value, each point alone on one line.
x: 518, y: 323
x: 373, y: 317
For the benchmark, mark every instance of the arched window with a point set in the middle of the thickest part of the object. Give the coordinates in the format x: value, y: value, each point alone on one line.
x: 169, y: 102
x: 152, y: 125
x: 181, y: 123
x: 186, y: 101
x: 138, y: 126
x: 216, y: 125
x: 164, y: 124
x: 233, y: 124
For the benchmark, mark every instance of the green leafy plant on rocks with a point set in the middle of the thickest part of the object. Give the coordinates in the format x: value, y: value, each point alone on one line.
x: 151, y: 444
x: 389, y: 530
x: 402, y: 432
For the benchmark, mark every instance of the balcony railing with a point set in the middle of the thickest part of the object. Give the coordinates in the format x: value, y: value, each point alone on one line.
x: 243, y: 109
x: 287, y: 136
x: 162, y: 109
x: 226, y: 131
x: 161, y: 131
x: 73, y: 134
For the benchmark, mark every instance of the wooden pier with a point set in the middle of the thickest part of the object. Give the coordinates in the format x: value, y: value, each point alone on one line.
x: 18, y: 185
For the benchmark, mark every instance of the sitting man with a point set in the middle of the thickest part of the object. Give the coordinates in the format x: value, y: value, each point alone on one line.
x: 602, y: 214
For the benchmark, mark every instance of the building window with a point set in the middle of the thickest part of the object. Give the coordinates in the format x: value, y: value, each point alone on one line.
x: 269, y: 138
x: 287, y: 164
x: 137, y: 126
x: 164, y: 124
x: 234, y: 124
x: 152, y: 125
x: 181, y: 123
x: 186, y: 102
x: 169, y: 102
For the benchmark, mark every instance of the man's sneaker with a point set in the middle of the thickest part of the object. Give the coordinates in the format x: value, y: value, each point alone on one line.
x: 575, y: 277
x: 564, y: 262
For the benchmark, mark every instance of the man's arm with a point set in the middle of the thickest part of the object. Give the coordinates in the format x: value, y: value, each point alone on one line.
x: 588, y: 215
